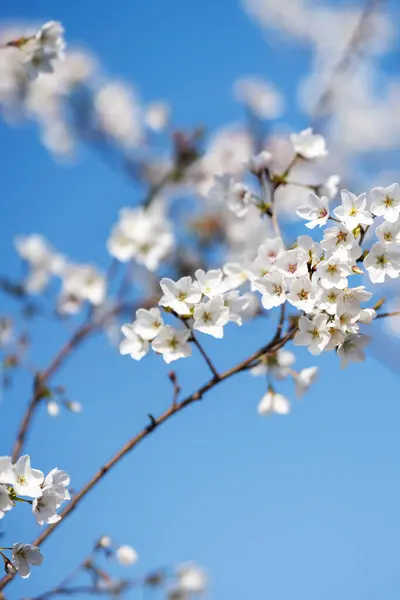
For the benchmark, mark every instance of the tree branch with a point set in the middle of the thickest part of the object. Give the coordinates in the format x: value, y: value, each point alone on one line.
x: 269, y: 349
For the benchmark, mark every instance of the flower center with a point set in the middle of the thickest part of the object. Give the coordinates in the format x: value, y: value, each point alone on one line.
x: 182, y: 296
x: 353, y: 212
x: 292, y: 267
x: 341, y: 237
x: 388, y: 237
x: 381, y: 260
x: 388, y: 201
x: 277, y: 289
x: 303, y: 295
x: 207, y: 317
x: 21, y: 480
x: 332, y: 269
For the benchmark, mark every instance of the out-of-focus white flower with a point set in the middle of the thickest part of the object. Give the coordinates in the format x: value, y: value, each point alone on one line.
x: 278, y: 365
x: 191, y: 579
x: 84, y: 282
x: 235, y: 195
x: 118, y: 114
x: 330, y: 188
x: 73, y: 406
x: 53, y: 408
x: 313, y: 333
x: 309, y: 145
x: 304, y: 379
x: 126, y: 555
x: 157, y: 115
x: 45, y: 508
x: 210, y: 282
x: 352, y: 349
x: 273, y: 403
x: 24, y: 555
x: 42, y: 259
x: 260, y: 96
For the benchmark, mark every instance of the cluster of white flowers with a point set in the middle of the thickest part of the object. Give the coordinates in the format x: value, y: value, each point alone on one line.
x: 142, y: 234
x: 20, y: 483
x: 191, y: 582
x: 80, y: 282
x: 205, y: 304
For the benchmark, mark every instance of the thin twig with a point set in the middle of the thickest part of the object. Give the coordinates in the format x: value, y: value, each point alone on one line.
x: 395, y: 313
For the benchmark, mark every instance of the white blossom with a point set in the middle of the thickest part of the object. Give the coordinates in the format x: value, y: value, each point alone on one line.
x: 388, y: 233
x: 304, y: 379
x: 386, y: 202
x: 134, y: 345
x: 333, y: 273
x: 351, y: 350
x: 353, y: 210
x: 316, y: 211
x: 45, y: 508
x: 25, y: 480
x: 330, y: 187
x: 24, y: 555
x: 58, y: 481
x: 180, y: 295
x: 172, y: 343
x: 148, y: 323
x: 234, y: 194
x: 309, y: 145
x: 236, y: 273
x: 293, y: 263
x: 271, y: 403
x: 53, y: 408
x: 157, y: 116
x: 313, y: 333
x: 340, y: 243
x: 126, y: 555
x: 84, y: 282
x: 381, y: 261
x: 210, y: 282
x: 303, y: 294
x: 191, y: 579
x: 210, y: 317
x: 329, y: 299
x: 6, y: 504
x: 272, y: 288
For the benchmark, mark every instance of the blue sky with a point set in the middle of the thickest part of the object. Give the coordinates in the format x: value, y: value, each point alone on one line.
x: 301, y: 507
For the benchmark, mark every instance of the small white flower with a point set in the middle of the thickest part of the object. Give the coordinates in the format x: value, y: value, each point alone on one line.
x: 351, y: 299
x: 58, y: 481
x: 210, y: 282
x: 304, y: 379
x: 340, y: 243
x: 126, y: 555
x: 24, y: 555
x: 84, y: 282
x: 238, y: 305
x: 273, y: 403
x: 236, y: 273
x: 7, y: 474
x: 293, y: 263
x: 388, y: 233
x: 53, y: 408
x: 303, y: 294
x: 351, y: 350
x: 191, y: 579
x: 73, y: 406
x: 105, y: 541
x: 386, y: 202
x: 148, y: 323
x: 6, y: 503
x: 313, y: 333
x: 382, y: 261
x: 316, y: 211
x: 235, y: 195
x: 210, y: 317
x: 45, y: 508
x: 259, y: 163
x: 309, y: 145
x: 333, y: 273
x: 347, y: 322
x: 329, y: 300
x: 353, y: 212
x: 330, y: 187
x: 172, y: 343
x: 134, y: 345
x: 313, y: 249
x: 27, y: 481
x: 367, y: 315
x: 181, y: 295
x: 157, y: 116
x: 273, y: 290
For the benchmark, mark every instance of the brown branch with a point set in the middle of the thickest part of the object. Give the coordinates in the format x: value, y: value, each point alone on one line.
x: 269, y: 349
x: 395, y: 313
